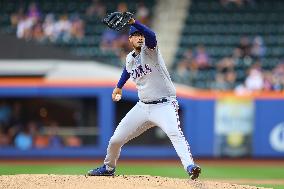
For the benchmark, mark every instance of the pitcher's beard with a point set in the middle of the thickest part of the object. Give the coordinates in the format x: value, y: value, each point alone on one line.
x: 138, y: 48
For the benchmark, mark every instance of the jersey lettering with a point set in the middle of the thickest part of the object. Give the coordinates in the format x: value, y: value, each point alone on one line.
x: 140, y: 71
x: 148, y: 69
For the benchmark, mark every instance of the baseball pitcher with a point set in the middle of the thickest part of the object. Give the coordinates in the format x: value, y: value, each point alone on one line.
x: 157, y: 105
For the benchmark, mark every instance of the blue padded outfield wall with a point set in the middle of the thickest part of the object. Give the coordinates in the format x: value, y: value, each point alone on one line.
x: 268, y: 140
x: 259, y: 132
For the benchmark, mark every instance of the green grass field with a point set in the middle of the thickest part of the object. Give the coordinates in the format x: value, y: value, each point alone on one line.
x: 208, y: 172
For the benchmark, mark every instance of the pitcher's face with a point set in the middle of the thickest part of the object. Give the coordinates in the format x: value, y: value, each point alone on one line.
x: 137, y: 40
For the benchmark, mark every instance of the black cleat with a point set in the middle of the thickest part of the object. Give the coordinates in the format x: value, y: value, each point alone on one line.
x: 102, y: 171
x: 193, y: 171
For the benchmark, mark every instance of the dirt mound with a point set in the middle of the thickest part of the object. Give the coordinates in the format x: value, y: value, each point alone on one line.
x: 118, y: 182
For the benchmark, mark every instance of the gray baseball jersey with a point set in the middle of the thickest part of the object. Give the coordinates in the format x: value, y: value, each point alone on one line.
x: 149, y: 72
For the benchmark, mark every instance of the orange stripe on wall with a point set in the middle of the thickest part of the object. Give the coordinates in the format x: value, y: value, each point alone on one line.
x: 185, y: 92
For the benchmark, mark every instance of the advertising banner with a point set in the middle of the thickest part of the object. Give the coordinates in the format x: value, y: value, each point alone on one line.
x: 233, y: 127
x: 268, y: 140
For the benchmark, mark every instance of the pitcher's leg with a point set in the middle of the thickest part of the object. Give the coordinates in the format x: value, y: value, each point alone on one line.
x: 166, y: 117
x: 129, y: 127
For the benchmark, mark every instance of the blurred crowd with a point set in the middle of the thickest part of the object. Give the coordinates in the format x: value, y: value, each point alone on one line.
x: 117, y: 42
x: 18, y: 131
x: 33, y: 25
x: 238, y: 3
x: 245, y: 61
x: 244, y: 70
x: 246, y: 58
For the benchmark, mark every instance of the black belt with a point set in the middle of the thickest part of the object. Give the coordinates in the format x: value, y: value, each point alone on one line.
x: 156, y: 101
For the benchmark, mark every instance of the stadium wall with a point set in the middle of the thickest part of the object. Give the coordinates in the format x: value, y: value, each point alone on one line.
x: 216, y: 125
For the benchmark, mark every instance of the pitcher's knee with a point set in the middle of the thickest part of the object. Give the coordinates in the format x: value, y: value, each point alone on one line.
x: 174, y: 136
x: 116, y: 142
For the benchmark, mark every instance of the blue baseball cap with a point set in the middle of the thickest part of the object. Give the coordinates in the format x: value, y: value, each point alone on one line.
x: 132, y: 30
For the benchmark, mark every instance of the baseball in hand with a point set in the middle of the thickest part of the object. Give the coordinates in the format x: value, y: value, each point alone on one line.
x: 117, y: 97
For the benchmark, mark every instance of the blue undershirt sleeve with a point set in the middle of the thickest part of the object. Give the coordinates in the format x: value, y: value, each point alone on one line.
x: 150, y: 36
x: 123, y: 78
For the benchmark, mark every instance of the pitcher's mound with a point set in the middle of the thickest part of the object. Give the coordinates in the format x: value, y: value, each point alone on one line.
x: 116, y: 182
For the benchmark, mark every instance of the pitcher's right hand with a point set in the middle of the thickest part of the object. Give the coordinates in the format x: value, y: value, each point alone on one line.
x: 116, y: 94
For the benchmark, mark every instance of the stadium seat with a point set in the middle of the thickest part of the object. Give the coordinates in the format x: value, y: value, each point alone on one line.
x: 88, y: 47
x: 219, y: 28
